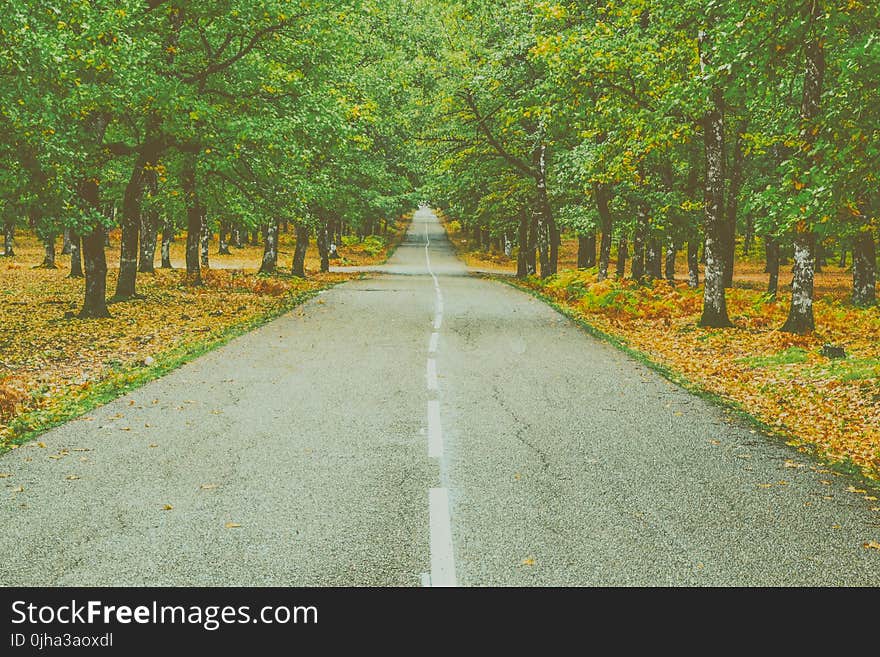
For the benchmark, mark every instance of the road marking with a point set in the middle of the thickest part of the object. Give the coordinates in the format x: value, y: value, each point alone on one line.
x: 440, y: 523
x: 432, y: 374
x: 435, y: 431
x: 442, y: 562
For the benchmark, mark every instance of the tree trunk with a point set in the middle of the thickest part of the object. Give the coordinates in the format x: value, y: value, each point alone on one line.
x: 800, y: 315
x: 193, y: 219
x: 547, y: 238
x: 671, y: 252
x: 236, y: 236
x: 532, y: 246
x: 522, y: 256
x: 694, y: 262
x: 167, y: 236
x: 223, y: 243
x: 9, y: 239
x: 637, y: 268
x: 586, y: 256
x: 771, y: 248
x: 653, y: 259
x: 49, y: 252
x: 864, y: 269
x: 299, y: 251
x: 149, y: 224
x: 621, y: 257
x: 603, y: 197
x: 66, y: 242
x: 714, y: 300
x: 732, y: 205
x: 270, y: 248
x: 323, y: 240
x: 131, y: 224
x: 76, y: 270
x: 820, y: 258
x: 205, y: 240
x: 842, y: 263
x: 95, y: 303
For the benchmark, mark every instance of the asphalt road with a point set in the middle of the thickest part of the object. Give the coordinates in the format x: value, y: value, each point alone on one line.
x: 423, y: 427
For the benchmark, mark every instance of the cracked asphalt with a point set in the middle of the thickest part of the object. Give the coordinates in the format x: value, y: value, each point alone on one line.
x: 297, y: 455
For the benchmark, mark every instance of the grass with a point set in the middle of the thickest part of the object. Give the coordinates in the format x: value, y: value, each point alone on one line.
x: 784, y: 357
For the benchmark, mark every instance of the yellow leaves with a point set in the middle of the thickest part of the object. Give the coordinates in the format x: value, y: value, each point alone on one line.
x: 208, y: 486
x: 5, y: 475
x: 871, y: 545
x: 853, y: 489
x: 41, y: 445
x: 528, y: 561
x: 792, y: 464
x: 232, y: 525
x: 167, y: 507
x: 72, y: 477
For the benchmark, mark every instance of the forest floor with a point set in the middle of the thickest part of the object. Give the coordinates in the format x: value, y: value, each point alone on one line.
x: 54, y: 367
x: 827, y: 406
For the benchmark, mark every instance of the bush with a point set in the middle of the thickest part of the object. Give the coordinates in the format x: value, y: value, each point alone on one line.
x: 373, y: 245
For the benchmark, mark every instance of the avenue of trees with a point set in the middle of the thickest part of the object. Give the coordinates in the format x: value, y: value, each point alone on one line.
x: 163, y: 117
x: 648, y: 127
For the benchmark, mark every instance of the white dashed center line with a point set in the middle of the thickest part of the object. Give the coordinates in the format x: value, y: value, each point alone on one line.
x: 442, y: 558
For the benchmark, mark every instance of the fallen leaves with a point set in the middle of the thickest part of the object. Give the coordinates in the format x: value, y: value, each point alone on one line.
x: 529, y: 561
x: 208, y: 486
x: 871, y: 545
x: 232, y: 525
x: 167, y: 507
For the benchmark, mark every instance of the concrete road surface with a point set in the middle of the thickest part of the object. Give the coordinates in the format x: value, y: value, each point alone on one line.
x: 422, y: 427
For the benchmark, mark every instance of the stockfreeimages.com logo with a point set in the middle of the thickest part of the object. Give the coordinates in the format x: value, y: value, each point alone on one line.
x: 210, y: 617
